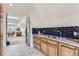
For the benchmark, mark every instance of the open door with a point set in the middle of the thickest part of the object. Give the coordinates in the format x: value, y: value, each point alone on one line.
x: 1, y: 32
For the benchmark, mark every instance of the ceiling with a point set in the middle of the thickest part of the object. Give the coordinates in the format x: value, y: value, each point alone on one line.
x: 18, y: 9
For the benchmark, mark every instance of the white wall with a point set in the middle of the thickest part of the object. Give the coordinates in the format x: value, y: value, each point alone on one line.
x: 54, y: 15
x: 22, y: 25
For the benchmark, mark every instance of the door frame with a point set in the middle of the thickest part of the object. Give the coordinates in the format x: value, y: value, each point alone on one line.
x: 1, y: 33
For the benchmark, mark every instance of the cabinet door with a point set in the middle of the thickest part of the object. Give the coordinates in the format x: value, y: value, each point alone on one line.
x: 44, y: 47
x: 52, y: 50
x: 37, y: 40
x: 68, y: 50
x: 37, y: 46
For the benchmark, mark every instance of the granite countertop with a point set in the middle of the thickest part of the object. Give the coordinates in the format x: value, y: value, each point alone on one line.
x: 61, y: 39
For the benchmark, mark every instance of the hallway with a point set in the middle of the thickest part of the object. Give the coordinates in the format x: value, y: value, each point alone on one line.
x: 16, y: 40
x: 21, y: 50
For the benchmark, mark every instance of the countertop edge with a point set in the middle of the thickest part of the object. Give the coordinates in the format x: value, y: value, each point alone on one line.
x: 60, y: 40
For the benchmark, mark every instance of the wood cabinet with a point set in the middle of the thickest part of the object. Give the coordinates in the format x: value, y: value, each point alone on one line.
x: 37, y: 46
x: 55, y: 48
x: 67, y: 50
x: 44, y: 46
x: 48, y: 47
x: 52, y: 48
x: 37, y: 42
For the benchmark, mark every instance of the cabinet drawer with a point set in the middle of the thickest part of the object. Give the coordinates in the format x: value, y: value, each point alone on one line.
x: 53, y: 42
x: 38, y: 41
x: 67, y: 50
x: 43, y: 39
x: 37, y: 37
x: 67, y: 45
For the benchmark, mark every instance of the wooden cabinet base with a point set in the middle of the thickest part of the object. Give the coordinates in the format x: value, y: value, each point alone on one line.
x: 44, y: 48
x: 55, y: 48
x: 37, y: 46
x: 52, y: 50
x: 67, y: 50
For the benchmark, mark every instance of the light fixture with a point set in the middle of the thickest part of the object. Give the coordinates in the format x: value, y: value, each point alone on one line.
x: 10, y: 4
x: 12, y: 17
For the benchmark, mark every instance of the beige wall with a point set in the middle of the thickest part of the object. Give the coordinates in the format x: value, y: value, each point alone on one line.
x: 54, y: 15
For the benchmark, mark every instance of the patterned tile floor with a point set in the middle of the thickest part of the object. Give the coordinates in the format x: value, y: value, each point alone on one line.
x: 16, y: 40
x: 21, y: 50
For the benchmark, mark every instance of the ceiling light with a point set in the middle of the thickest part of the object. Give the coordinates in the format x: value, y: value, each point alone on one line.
x: 10, y: 4
x: 11, y: 17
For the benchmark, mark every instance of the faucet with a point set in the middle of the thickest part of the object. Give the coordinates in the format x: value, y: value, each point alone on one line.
x: 60, y: 34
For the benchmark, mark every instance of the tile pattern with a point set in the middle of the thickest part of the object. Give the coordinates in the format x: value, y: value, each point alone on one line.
x: 16, y: 40
x: 18, y: 47
x: 21, y: 50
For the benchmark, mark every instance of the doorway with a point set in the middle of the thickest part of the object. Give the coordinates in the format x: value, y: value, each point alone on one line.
x: 15, y: 31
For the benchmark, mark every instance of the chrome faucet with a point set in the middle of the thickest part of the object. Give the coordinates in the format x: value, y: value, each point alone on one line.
x: 60, y: 34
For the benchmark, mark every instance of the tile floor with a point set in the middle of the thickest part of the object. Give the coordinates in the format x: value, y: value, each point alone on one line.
x: 16, y: 40
x: 20, y: 49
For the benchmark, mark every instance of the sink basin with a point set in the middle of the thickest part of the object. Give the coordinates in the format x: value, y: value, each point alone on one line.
x: 70, y: 39
x: 74, y: 40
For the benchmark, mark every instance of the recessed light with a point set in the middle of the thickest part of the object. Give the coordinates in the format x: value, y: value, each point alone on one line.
x: 10, y: 4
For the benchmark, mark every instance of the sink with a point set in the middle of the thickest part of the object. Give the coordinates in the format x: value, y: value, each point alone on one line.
x: 70, y: 39
x: 50, y: 36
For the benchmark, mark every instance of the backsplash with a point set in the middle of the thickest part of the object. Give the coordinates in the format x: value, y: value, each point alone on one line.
x: 70, y: 32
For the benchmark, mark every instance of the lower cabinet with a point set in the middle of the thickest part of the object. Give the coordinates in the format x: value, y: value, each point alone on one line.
x: 44, y: 46
x: 37, y: 46
x: 67, y: 50
x: 49, y: 47
x: 52, y: 50
x: 55, y: 48
x: 37, y: 42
